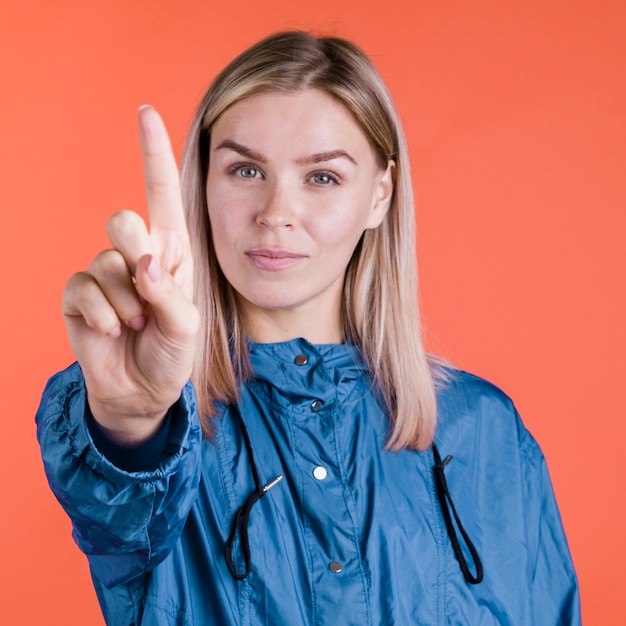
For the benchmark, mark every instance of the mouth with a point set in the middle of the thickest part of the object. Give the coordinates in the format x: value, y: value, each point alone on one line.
x: 273, y: 260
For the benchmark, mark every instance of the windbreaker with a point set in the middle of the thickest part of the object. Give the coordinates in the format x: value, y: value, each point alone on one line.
x: 353, y: 534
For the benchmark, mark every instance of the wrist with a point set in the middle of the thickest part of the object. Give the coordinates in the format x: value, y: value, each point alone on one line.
x: 126, y: 428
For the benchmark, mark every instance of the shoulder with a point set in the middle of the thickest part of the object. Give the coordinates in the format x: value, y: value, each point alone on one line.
x: 459, y: 386
x: 476, y: 415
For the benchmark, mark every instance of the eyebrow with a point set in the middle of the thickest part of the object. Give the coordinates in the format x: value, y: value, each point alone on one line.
x: 319, y: 157
x: 229, y: 144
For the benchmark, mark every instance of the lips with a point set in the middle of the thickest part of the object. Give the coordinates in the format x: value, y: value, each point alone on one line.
x: 273, y: 260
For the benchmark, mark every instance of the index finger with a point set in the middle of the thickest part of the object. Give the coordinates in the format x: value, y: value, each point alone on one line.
x: 165, y: 207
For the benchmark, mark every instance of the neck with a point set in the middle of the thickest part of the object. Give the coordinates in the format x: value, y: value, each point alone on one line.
x: 275, y: 326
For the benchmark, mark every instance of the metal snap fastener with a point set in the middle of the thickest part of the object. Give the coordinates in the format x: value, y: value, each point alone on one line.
x: 301, y: 359
x: 316, y: 406
x: 320, y: 472
x: 335, y: 567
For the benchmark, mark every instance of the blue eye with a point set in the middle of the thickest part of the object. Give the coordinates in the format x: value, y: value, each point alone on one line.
x: 248, y: 172
x: 324, y: 178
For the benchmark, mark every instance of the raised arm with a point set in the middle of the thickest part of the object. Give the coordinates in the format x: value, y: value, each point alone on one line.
x: 130, y: 317
x: 132, y: 324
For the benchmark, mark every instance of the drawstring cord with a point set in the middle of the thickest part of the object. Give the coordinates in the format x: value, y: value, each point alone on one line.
x: 444, y: 498
x: 242, y: 518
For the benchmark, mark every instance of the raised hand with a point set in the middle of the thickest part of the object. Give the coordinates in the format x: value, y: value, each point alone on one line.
x: 130, y: 317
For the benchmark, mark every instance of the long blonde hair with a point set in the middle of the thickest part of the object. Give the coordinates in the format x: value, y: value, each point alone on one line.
x: 380, y: 310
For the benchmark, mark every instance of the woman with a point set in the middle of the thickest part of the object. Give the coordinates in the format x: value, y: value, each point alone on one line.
x: 284, y: 286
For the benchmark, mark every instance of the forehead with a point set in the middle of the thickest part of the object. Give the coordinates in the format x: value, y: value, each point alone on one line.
x: 309, y: 119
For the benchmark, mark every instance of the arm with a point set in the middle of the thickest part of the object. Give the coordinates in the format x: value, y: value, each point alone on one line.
x: 130, y: 316
x: 126, y: 523
x: 555, y: 587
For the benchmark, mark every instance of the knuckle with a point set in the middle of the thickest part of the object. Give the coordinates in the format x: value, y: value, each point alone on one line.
x: 70, y: 292
x: 108, y: 262
x: 124, y: 223
x: 85, y: 298
x: 73, y: 282
x: 88, y: 296
x: 80, y: 284
x: 162, y: 189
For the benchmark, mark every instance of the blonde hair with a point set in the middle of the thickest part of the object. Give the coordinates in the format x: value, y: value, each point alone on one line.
x: 380, y: 309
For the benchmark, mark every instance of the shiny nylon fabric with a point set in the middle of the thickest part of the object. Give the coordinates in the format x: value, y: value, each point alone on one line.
x: 155, y: 540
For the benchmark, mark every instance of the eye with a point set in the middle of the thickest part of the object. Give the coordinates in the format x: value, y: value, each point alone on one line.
x: 248, y: 172
x: 324, y: 178
x: 244, y: 170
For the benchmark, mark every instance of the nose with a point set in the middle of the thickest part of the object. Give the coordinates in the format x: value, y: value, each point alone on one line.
x: 276, y: 210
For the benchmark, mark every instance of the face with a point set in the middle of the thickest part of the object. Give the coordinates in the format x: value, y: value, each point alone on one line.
x: 292, y: 185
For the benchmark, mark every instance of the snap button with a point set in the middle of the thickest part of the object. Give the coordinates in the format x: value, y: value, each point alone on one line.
x: 301, y: 359
x: 320, y: 472
x: 335, y: 567
x: 316, y: 406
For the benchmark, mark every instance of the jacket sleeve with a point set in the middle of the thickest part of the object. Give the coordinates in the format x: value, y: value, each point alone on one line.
x: 125, y: 522
x: 555, y: 587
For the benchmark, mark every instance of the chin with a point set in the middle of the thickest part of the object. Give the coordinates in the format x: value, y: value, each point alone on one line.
x: 271, y: 300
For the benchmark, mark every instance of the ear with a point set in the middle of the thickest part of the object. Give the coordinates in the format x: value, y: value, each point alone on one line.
x: 383, y: 193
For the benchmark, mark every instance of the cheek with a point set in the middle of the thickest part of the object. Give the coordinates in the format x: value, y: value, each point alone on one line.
x: 217, y: 198
x: 222, y: 214
x: 228, y: 210
x: 349, y: 220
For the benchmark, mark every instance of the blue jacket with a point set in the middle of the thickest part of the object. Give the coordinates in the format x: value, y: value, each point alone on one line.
x: 352, y: 535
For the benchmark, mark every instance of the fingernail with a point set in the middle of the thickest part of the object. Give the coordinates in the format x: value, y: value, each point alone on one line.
x: 137, y: 323
x: 115, y: 333
x: 143, y: 107
x: 154, y: 270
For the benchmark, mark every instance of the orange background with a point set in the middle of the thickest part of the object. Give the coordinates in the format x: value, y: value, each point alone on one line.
x: 515, y: 113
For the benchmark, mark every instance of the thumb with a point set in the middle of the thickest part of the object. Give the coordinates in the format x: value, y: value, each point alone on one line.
x: 176, y: 315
